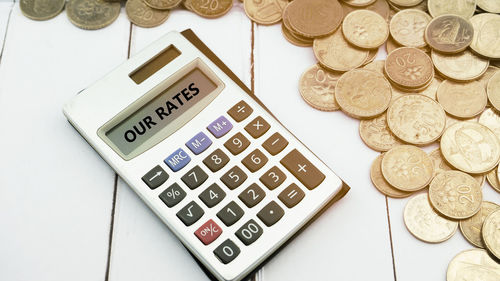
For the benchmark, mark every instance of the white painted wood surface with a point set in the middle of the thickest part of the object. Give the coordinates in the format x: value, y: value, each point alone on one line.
x: 56, y: 194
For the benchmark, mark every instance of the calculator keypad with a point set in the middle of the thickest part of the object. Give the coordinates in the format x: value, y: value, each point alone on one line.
x: 216, y: 160
x: 155, y: 177
x: 234, y: 177
x: 230, y: 214
x: 240, y: 111
x: 172, y: 195
x: 190, y: 214
x: 252, y: 195
x: 257, y: 127
x: 237, y: 143
x: 249, y: 232
x: 195, y: 177
x: 212, y: 195
x: 255, y: 160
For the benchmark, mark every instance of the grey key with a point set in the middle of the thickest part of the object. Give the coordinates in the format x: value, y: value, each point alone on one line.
x: 271, y: 213
x: 172, y: 195
x: 291, y: 195
x: 191, y: 213
x: 156, y: 177
x: 195, y: 177
x: 234, y: 177
x: 227, y: 251
x: 249, y: 232
x: 216, y: 160
x: 230, y: 214
x: 252, y: 195
x: 212, y: 195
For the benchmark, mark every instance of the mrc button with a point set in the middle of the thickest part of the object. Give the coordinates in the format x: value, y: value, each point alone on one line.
x: 177, y: 160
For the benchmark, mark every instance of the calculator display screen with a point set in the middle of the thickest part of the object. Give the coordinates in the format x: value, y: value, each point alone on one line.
x: 167, y: 106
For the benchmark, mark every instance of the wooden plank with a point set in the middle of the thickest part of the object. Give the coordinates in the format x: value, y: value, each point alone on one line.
x: 355, y: 230
x: 55, y: 191
x: 5, y: 8
x: 143, y: 247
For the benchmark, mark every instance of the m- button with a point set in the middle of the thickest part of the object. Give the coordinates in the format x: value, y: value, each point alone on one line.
x: 302, y: 169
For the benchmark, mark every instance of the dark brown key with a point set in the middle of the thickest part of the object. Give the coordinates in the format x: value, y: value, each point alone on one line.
x: 240, y: 111
x: 257, y: 127
x: 291, y: 195
x: 234, y: 177
x: 237, y: 144
x: 273, y: 178
x: 255, y: 160
x: 302, y: 169
x: 216, y: 160
x: 271, y: 213
x: 275, y: 144
x: 252, y: 195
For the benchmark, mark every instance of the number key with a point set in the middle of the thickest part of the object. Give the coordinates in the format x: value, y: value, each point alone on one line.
x: 237, y: 143
x: 227, y: 251
x: 273, y: 178
x: 234, y: 177
x: 212, y: 195
x: 255, y: 160
x: 195, y: 177
x: 216, y: 160
x: 252, y: 195
x: 249, y: 232
x: 230, y: 214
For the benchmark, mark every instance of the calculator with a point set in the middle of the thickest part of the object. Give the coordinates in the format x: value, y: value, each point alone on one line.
x: 204, y: 154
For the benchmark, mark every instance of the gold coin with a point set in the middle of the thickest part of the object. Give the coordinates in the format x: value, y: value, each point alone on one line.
x: 407, y: 168
x: 142, y: 15
x: 474, y: 264
x: 464, y: 66
x: 314, y: 18
x: 407, y: 27
x: 379, y: 6
x: 391, y: 45
x: 493, y: 179
x: 376, y: 135
x: 409, y: 67
x: 470, y: 147
x: 440, y: 165
x: 92, y: 14
x: 424, y: 223
x: 371, y: 56
x: 449, y: 34
x: 491, y: 119
x: 162, y: 4
x: 377, y: 66
x: 265, y: 11
x: 365, y: 29
x: 359, y: 3
x: 455, y: 194
x: 317, y: 88
x: 489, y: 6
x: 493, y: 89
x: 365, y: 99
x: 406, y: 3
x: 381, y: 184
x: 496, y: 186
x: 335, y: 53
x: 429, y: 91
x: 422, y: 6
x: 416, y: 119
x: 209, y: 8
x: 491, y: 233
x: 450, y: 120
x: 471, y: 227
x: 462, y: 100
x: 487, y: 75
x: 463, y: 8
x: 486, y: 40
x: 41, y: 9
x: 294, y: 39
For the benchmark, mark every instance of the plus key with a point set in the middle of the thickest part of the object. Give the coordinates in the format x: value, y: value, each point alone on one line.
x: 302, y: 169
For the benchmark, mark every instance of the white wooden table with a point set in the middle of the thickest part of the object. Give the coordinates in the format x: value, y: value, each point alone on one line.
x: 65, y: 215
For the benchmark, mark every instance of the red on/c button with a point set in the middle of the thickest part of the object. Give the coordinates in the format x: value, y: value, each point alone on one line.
x: 208, y: 232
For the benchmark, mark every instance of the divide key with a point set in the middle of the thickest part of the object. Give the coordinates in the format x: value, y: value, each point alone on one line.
x: 177, y: 160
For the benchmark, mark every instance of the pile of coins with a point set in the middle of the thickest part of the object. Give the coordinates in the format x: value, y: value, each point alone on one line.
x: 96, y: 14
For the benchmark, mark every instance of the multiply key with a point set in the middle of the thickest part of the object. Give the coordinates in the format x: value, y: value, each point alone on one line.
x: 302, y: 169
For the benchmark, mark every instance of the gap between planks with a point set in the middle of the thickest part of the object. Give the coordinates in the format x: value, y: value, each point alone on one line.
x: 6, y: 31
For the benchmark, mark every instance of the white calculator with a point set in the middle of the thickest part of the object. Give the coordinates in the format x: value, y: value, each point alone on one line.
x: 205, y: 155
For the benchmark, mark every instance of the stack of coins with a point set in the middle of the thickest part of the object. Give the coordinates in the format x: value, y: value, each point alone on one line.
x: 96, y: 14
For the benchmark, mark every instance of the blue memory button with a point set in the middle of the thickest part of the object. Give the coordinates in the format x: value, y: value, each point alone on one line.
x: 177, y: 160
x: 199, y: 143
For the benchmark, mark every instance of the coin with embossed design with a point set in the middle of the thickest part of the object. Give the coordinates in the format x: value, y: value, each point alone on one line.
x: 455, y: 194
x: 440, y: 165
x: 463, y: 66
x: 365, y: 29
x: 407, y: 168
x: 359, y: 3
x: 449, y: 34
x: 491, y: 119
x: 471, y: 227
x: 409, y: 67
x: 380, y: 6
x: 92, y: 14
x: 429, y: 90
x: 381, y: 184
x: 493, y: 179
x: 142, y: 15
x: 294, y: 38
x: 377, y: 66
x: 416, y: 119
x: 424, y: 223
x: 470, y: 147
x: 462, y: 100
x: 317, y: 88
x: 407, y: 27
x: 463, y: 8
x: 490, y: 6
x: 363, y: 100
x: 335, y: 53
x: 487, y: 75
x: 493, y: 89
x: 162, y: 4
x: 491, y: 233
x: 209, y: 8
x: 486, y: 41
x: 41, y: 9
x: 474, y: 265
x: 265, y: 11
x: 314, y: 18
x: 376, y: 135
